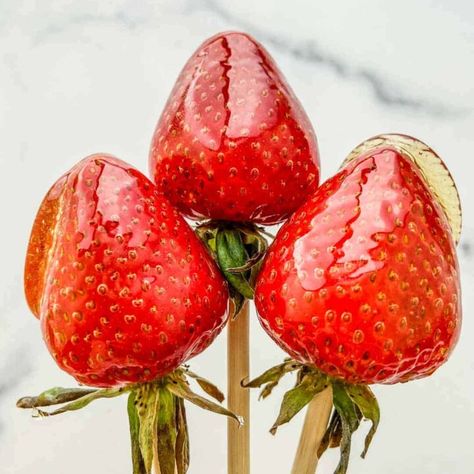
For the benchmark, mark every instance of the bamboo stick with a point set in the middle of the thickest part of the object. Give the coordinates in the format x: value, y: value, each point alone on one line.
x: 238, y: 366
x: 315, y: 423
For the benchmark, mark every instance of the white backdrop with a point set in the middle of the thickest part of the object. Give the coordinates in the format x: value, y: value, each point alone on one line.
x: 78, y: 77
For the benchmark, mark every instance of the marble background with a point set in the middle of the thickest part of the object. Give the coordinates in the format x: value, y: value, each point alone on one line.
x: 78, y: 77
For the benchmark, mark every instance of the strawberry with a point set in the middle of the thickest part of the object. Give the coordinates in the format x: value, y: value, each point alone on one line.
x: 125, y: 293
x: 124, y: 290
x: 363, y: 281
x: 361, y: 285
x: 233, y: 142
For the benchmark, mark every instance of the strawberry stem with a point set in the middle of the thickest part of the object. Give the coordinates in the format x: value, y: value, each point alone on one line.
x: 182, y: 438
x: 167, y: 431
x: 156, y: 413
x: 138, y: 464
x: 146, y: 403
x: 238, y: 250
x: 231, y: 253
x: 351, y: 404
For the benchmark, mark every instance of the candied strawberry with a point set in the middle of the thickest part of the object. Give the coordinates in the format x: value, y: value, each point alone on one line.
x: 124, y: 289
x: 363, y: 281
x: 361, y: 286
x: 233, y: 142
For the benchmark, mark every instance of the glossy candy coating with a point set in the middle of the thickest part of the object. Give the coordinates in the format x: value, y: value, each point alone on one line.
x: 124, y: 289
x: 233, y: 142
x: 434, y: 171
x: 363, y: 280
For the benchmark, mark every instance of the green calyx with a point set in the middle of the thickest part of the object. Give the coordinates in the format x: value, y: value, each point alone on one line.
x: 238, y: 250
x: 351, y: 404
x: 158, y: 425
x: 156, y: 412
x: 71, y: 398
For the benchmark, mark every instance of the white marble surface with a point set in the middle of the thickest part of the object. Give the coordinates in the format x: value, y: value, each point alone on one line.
x: 79, y: 77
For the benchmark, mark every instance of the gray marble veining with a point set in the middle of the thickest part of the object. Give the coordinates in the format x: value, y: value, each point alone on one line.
x: 309, y: 51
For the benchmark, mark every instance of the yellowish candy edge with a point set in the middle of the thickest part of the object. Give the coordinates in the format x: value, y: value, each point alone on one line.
x: 431, y: 166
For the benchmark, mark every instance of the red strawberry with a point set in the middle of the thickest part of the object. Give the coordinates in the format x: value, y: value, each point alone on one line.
x: 363, y: 281
x: 125, y: 293
x: 233, y: 142
x: 361, y: 285
x: 124, y: 289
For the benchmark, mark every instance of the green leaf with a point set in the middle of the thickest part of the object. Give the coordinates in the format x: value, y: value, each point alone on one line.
x: 212, y: 244
x: 207, y: 386
x: 239, y: 250
x: 166, y: 429
x: 344, y: 405
x: 235, y: 245
x: 181, y: 389
x: 85, y: 400
x: 350, y: 421
x: 54, y: 396
x: 263, y: 231
x: 182, y: 438
x: 238, y: 302
x: 345, y: 448
x: 336, y: 433
x: 230, y: 254
x: 254, y: 272
x: 333, y: 432
x: 258, y: 248
x: 271, y: 377
x: 297, y: 398
x: 240, y: 284
x: 134, y: 423
x: 365, y: 400
x: 251, y: 262
x: 147, y: 398
x: 254, y: 237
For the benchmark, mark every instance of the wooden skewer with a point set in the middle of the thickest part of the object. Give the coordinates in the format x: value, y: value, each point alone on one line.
x: 238, y: 398
x: 315, y: 423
